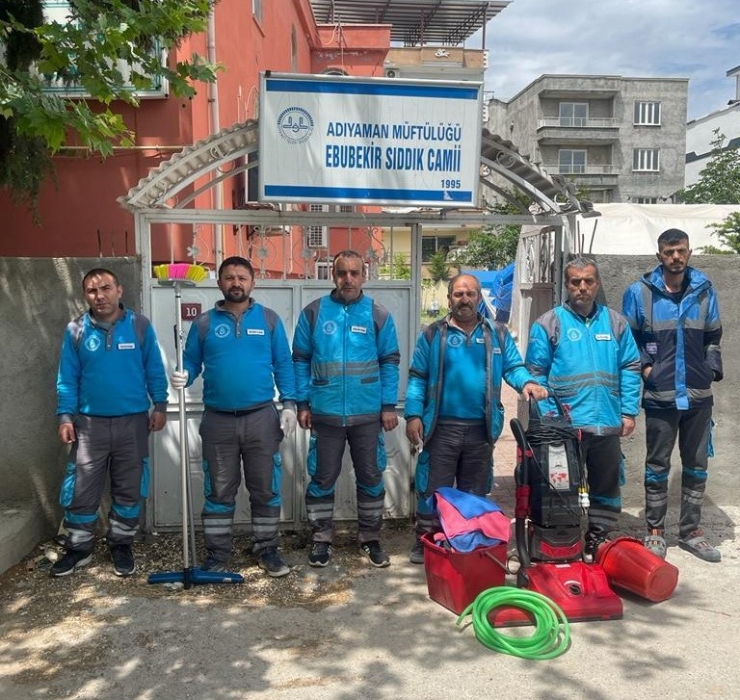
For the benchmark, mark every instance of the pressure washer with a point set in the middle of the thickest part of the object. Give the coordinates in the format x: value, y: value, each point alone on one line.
x: 551, y: 515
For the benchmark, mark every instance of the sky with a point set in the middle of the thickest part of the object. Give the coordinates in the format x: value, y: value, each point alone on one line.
x: 695, y: 39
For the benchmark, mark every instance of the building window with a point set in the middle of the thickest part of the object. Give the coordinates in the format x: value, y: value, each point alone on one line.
x: 647, y: 113
x: 571, y: 162
x: 345, y: 208
x: 431, y: 244
x: 573, y: 113
x: 257, y: 10
x: 646, y: 160
x: 646, y: 200
x: 316, y: 235
x: 323, y: 270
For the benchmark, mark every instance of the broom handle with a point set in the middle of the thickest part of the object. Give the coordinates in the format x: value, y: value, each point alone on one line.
x: 183, y: 433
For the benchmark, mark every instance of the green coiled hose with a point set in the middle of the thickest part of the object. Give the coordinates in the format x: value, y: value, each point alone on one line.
x: 551, y: 636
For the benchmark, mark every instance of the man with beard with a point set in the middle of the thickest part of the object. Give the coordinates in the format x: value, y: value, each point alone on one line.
x: 585, y: 353
x: 244, y: 352
x: 346, y: 359
x: 674, y: 315
x: 453, y: 402
x: 110, y: 372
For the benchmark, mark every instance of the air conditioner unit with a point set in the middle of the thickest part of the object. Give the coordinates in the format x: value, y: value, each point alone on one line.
x: 486, y: 114
x: 392, y: 73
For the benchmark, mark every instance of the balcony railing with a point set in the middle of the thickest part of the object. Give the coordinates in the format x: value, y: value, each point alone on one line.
x: 581, y: 169
x: 578, y: 122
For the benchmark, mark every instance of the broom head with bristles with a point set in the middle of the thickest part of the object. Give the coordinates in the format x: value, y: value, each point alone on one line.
x: 180, y: 271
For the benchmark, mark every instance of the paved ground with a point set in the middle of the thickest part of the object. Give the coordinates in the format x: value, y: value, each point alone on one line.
x: 357, y: 632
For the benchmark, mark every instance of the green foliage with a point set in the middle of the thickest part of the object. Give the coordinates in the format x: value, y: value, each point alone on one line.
x: 438, y: 267
x: 491, y: 248
x: 719, y: 181
x: 400, y: 270
x: 85, y: 51
x: 495, y: 246
x: 728, y: 232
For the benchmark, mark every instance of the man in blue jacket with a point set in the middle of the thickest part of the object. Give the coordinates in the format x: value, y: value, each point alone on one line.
x: 674, y: 315
x: 346, y: 358
x: 244, y: 352
x: 586, y: 355
x: 453, y: 402
x: 110, y: 373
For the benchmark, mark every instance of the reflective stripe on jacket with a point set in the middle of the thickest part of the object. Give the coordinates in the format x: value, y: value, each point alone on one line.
x: 680, y: 340
x: 591, y: 364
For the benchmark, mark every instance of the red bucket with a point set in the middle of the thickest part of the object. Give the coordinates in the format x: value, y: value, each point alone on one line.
x: 454, y: 579
x: 629, y: 565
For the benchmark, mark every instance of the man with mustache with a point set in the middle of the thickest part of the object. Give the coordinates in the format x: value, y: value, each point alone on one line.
x: 110, y: 372
x: 243, y: 350
x: 346, y: 359
x: 585, y: 353
x: 453, y: 402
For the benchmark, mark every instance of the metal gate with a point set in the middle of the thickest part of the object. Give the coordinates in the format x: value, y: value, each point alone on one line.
x: 168, y: 196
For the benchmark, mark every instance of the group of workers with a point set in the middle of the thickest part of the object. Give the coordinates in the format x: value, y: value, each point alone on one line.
x: 340, y: 379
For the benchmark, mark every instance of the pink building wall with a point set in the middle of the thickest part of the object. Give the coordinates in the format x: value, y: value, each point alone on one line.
x: 80, y: 215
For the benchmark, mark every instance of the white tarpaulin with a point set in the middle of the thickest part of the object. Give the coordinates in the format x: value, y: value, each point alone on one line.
x: 633, y: 229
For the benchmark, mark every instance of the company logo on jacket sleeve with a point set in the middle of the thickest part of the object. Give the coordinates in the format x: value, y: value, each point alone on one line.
x: 329, y: 328
x: 574, y: 334
x: 222, y: 330
x: 92, y: 343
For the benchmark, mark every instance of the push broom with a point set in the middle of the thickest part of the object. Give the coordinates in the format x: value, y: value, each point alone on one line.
x: 177, y: 276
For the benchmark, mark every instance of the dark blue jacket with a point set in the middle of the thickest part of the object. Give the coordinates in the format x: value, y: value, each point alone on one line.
x: 679, y: 339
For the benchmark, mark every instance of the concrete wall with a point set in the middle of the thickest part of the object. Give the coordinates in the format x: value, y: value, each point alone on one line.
x: 38, y: 297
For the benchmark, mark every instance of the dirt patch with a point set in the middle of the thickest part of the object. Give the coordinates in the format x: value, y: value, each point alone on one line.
x: 27, y: 588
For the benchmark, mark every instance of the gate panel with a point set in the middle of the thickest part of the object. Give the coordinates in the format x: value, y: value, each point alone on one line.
x: 287, y: 298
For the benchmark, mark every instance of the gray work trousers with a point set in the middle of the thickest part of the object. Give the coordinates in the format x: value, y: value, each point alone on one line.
x: 692, y: 428
x: 232, y: 441
x: 118, y: 446
x: 459, y: 455
x: 326, y: 449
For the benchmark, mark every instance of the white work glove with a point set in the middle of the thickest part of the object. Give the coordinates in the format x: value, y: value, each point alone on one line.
x: 179, y: 379
x: 288, y: 421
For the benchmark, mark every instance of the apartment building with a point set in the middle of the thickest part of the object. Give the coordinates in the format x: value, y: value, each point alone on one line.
x: 703, y: 131
x: 616, y: 139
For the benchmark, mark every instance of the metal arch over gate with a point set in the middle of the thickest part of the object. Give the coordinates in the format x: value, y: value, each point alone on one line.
x: 168, y: 195
x: 165, y: 196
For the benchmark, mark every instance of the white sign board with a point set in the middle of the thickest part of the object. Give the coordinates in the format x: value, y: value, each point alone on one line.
x: 340, y: 139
